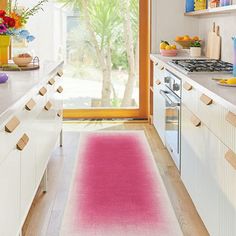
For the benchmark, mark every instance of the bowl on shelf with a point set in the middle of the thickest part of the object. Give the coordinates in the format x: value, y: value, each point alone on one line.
x: 169, y: 53
x: 22, y: 60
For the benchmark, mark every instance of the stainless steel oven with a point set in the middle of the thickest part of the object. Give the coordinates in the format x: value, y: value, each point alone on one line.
x: 172, y: 95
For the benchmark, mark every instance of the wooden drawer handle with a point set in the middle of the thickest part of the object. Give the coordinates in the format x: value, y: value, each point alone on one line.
x: 48, y: 106
x: 42, y: 91
x: 51, y: 81
x: 60, y: 89
x: 60, y: 73
x: 30, y: 105
x: 59, y: 113
x: 12, y: 125
x: 206, y: 100
x: 230, y: 156
x: 158, y: 82
x: 187, y: 86
x: 231, y: 118
x: 22, y: 142
x: 196, y: 122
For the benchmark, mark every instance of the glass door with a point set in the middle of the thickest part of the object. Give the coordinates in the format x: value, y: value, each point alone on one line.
x: 107, y: 59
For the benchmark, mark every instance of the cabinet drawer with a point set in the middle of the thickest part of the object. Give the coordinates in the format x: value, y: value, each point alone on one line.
x: 159, y: 72
x: 189, y: 97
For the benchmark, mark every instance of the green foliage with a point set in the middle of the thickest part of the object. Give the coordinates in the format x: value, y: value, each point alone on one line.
x: 106, y: 20
x: 196, y: 44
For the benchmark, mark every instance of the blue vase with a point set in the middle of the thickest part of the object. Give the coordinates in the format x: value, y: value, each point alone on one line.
x: 189, y: 5
x: 234, y: 71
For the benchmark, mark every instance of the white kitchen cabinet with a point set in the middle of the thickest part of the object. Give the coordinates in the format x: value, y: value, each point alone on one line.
x: 28, y: 176
x: 159, y: 102
x: 198, y: 168
x: 36, y: 133
x: 10, y: 194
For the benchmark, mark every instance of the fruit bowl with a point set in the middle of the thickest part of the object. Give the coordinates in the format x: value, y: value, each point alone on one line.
x: 169, y: 53
x: 186, y: 43
x: 22, y: 60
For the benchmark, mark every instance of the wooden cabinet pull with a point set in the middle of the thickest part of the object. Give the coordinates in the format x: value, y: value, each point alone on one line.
x: 196, y: 122
x: 51, y: 81
x: 59, y: 113
x: 60, y: 73
x: 30, y: 105
x: 48, y: 106
x: 42, y: 91
x: 187, y: 86
x: 231, y: 118
x: 12, y: 125
x: 60, y: 89
x: 230, y: 156
x: 22, y: 142
x: 206, y: 100
x: 158, y: 82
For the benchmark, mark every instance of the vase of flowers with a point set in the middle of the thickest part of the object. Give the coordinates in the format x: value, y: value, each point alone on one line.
x: 13, y: 21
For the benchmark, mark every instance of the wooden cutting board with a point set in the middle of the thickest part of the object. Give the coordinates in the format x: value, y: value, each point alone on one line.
x: 216, y: 45
x: 211, y: 35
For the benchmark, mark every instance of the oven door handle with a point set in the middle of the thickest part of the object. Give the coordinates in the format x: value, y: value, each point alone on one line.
x: 170, y: 101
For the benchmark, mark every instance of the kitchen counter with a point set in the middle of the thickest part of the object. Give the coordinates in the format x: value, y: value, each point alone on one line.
x: 20, y: 83
x: 226, y: 96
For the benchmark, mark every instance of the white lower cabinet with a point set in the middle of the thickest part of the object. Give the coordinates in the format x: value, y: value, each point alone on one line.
x: 10, y: 194
x: 27, y: 139
x: 159, y: 112
x: 28, y: 176
x: 208, y: 176
x: 159, y: 102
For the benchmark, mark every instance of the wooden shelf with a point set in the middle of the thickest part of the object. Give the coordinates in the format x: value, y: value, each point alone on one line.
x: 211, y: 11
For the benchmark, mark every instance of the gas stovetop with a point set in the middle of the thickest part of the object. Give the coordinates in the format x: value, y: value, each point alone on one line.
x: 202, y: 65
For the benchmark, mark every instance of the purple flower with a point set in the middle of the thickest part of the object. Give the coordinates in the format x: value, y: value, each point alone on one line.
x: 3, y: 29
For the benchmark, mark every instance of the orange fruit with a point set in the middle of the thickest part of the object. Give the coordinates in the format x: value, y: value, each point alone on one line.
x: 186, y: 38
x: 179, y: 38
x: 196, y: 38
x: 173, y: 47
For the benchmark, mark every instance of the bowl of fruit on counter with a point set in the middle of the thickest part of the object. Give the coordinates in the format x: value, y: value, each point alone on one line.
x: 168, y: 50
x: 23, y: 59
x: 186, y: 41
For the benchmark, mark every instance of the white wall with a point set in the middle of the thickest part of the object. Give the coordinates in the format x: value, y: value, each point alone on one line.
x: 168, y: 21
x: 227, y: 23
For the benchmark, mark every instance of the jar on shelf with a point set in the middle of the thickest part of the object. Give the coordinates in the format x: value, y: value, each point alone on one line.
x: 189, y: 7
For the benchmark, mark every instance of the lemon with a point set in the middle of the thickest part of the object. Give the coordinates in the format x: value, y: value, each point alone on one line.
x: 168, y: 47
x: 163, y: 46
x: 173, y: 47
x: 231, y: 81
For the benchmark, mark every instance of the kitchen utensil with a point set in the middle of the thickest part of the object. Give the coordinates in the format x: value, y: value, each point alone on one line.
x: 3, y: 78
x: 234, y: 63
x: 216, y: 45
x: 211, y: 35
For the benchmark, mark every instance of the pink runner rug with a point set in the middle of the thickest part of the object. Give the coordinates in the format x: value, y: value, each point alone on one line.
x: 117, y: 189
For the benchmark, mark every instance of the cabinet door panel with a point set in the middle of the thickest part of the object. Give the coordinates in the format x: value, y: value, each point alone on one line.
x: 28, y: 177
x: 198, y: 170
x: 10, y: 194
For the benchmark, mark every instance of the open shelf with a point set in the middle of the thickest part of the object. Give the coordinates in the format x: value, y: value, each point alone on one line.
x: 211, y: 11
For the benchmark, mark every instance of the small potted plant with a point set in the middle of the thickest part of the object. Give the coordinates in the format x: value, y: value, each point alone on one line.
x: 195, y: 49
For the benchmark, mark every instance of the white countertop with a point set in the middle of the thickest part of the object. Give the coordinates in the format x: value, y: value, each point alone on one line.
x: 226, y: 96
x: 22, y: 82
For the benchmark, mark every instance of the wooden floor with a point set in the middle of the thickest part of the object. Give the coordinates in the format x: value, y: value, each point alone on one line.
x: 47, y: 210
